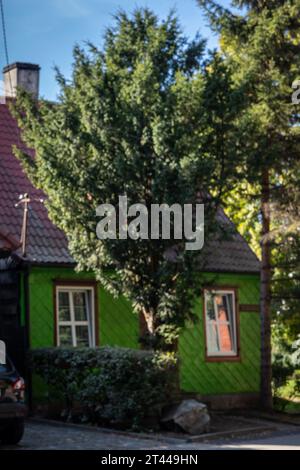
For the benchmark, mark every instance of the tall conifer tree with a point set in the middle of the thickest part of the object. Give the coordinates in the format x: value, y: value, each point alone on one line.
x: 260, y: 40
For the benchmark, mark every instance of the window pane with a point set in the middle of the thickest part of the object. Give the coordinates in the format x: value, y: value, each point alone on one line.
x: 210, y: 306
x: 220, y: 323
x: 64, y: 306
x: 230, y: 303
x: 212, y: 338
x: 224, y: 317
x: 64, y: 298
x: 79, y: 299
x: 222, y: 308
x: 80, y: 313
x: 65, y: 336
x: 82, y: 335
x: 231, y: 313
x: 80, y: 307
x: 226, y: 344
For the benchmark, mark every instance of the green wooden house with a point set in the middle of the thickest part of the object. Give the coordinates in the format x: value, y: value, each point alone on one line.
x: 45, y: 303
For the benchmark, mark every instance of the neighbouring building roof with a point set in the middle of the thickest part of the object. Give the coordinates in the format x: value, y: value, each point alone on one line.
x: 46, y: 244
x: 230, y: 254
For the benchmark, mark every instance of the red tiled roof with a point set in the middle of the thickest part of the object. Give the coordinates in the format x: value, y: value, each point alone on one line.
x: 45, y: 242
x: 7, y: 241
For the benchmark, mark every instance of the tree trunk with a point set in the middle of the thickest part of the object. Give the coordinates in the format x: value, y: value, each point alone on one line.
x: 149, y: 318
x: 147, y: 335
x: 265, y: 299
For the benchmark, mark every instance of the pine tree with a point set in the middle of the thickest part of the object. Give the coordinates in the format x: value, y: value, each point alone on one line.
x: 261, y: 44
x: 286, y: 237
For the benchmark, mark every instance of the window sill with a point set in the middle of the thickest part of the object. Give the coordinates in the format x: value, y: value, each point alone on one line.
x: 222, y: 359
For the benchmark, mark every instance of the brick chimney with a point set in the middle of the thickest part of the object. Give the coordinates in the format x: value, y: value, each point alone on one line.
x: 21, y: 75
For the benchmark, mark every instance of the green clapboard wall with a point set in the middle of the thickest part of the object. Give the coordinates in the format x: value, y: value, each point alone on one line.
x: 119, y: 326
x: 203, y: 377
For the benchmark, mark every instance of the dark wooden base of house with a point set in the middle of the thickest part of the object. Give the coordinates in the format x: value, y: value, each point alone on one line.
x: 228, y: 401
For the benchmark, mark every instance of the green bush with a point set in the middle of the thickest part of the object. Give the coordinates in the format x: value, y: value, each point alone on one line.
x: 286, y: 370
x: 295, y: 360
x: 282, y: 368
x: 116, y: 386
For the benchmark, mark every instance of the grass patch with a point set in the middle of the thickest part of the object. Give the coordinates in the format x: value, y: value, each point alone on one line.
x: 287, y: 406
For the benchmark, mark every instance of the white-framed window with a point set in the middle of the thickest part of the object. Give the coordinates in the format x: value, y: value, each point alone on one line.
x: 221, y: 323
x: 75, y: 316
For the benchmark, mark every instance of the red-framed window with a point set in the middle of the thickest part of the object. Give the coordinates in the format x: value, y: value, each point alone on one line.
x: 221, y: 323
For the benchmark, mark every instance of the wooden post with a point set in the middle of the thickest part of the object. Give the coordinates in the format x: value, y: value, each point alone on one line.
x: 265, y: 300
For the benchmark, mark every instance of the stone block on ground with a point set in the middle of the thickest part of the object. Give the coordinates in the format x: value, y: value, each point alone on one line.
x: 191, y: 416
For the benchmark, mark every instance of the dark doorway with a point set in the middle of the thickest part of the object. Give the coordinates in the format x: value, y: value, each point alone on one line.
x: 12, y: 332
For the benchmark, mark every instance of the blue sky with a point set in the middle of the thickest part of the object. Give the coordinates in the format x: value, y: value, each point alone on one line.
x: 45, y: 31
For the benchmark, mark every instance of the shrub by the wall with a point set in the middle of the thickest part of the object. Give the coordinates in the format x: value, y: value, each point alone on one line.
x: 116, y: 386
